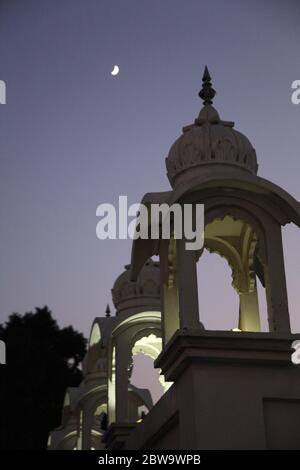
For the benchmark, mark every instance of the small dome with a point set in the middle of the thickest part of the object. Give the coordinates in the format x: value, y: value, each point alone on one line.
x: 144, y: 294
x: 209, y: 141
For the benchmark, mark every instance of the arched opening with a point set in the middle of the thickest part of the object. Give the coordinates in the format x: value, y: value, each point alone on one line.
x: 99, y: 417
x: 143, y: 373
x: 99, y: 426
x: 95, y: 335
x: 218, y: 301
x: 227, y: 284
x: 137, y: 334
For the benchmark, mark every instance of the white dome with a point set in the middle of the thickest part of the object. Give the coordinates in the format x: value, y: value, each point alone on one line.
x: 142, y: 294
x: 209, y: 141
x: 208, y: 144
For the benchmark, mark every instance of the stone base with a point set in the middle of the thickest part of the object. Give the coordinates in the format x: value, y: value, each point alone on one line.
x: 231, y: 390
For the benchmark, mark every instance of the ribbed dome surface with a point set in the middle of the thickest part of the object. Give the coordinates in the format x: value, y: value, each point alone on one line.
x: 144, y: 292
x: 209, y: 141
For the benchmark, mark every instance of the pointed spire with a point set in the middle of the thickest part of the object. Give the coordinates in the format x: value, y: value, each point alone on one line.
x: 107, y: 311
x: 206, y: 75
x: 207, y: 93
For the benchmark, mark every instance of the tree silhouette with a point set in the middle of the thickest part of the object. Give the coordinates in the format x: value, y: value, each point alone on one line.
x: 42, y: 360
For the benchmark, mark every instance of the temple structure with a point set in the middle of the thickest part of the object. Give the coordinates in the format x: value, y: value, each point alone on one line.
x: 233, y: 389
x: 114, y: 340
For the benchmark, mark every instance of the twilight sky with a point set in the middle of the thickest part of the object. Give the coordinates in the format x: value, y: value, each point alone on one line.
x: 73, y: 136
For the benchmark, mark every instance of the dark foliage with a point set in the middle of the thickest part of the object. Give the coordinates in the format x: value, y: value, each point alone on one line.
x: 41, y: 362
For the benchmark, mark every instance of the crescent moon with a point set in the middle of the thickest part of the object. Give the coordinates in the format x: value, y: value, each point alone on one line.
x: 115, y: 70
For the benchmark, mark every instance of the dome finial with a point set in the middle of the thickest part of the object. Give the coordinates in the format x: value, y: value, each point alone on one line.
x: 107, y: 311
x: 207, y: 93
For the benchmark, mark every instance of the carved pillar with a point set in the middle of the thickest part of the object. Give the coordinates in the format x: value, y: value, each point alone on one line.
x: 87, y: 424
x: 111, y: 384
x: 79, y: 431
x: 275, y: 282
x: 122, y: 379
x: 187, y: 286
x: 171, y: 311
x: 249, y: 319
x: 169, y: 291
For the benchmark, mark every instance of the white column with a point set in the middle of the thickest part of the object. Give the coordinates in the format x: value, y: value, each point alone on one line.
x: 122, y: 379
x: 187, y: 286
x: 249, y: 319
x: 275, y: 282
